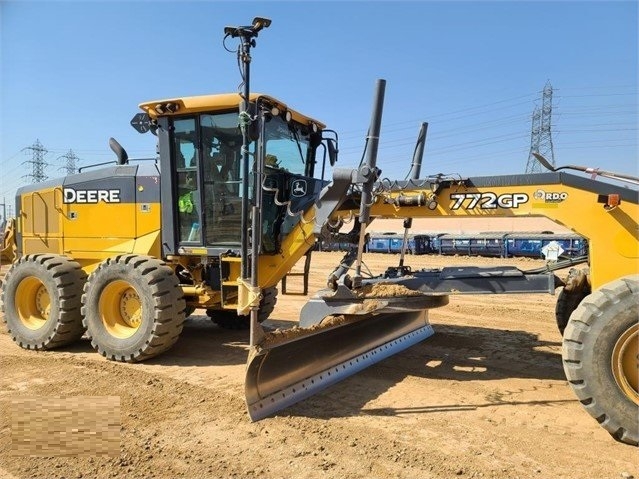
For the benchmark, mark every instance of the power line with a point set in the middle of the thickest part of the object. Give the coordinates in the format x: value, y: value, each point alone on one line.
x: 595, y: 129
x: 438, y: 116
x: 484, y: 108
x: 598, y: 95
x: 596, y: 87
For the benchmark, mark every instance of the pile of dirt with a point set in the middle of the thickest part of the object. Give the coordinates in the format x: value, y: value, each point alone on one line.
x: 385, y: 290
x: 283, y: 335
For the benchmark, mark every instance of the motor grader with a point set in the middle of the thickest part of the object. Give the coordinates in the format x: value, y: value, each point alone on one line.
x: 237, y: 195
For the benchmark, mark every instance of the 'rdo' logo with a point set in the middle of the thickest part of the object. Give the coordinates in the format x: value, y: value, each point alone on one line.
x: 550, y: 196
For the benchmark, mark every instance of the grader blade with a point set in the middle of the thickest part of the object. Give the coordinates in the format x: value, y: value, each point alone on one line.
x: 291, y: 365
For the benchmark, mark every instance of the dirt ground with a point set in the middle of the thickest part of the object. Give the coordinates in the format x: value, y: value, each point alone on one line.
x: 484, y: 397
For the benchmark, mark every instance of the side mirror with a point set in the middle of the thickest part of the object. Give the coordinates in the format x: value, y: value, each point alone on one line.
x: 331, y: 144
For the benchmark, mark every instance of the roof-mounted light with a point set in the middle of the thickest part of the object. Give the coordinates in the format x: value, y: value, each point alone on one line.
x: 172, y: 107
x: 169, y: 107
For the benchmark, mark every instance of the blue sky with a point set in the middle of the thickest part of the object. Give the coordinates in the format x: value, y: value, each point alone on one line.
x: 73, y: 74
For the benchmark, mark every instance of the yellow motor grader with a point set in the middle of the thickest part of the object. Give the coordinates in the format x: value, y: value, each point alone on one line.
x: 124, y: 252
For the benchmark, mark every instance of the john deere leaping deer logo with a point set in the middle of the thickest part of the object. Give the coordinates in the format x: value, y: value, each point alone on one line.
x: 299, y: 188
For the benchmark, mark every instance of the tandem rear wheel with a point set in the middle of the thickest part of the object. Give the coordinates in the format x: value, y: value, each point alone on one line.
x: 41, y: 301
x: 133, y: 308
x: 601, y: 357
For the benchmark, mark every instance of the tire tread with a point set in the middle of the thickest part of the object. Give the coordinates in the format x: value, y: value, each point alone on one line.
x: 68, y: 280
x: 582, y: 323
x: 168, y: 304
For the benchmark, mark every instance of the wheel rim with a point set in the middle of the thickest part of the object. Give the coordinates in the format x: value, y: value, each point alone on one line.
x: 625, y: 362
x: 120, y: 309
x: 33, y: 303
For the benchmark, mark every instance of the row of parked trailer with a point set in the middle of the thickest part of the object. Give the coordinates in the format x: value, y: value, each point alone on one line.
x: 499, y: 244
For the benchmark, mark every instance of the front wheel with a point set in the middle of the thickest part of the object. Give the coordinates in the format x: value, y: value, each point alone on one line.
x: 133, y: 308
x: 601, y: 357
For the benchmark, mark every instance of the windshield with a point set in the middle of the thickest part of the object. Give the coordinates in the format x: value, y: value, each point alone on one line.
x: 286, y: 146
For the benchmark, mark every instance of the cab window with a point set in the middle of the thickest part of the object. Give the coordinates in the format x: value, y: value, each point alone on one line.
x: 286, y: 146
x: 185, y: 152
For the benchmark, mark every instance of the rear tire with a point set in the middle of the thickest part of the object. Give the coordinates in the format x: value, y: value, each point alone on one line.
x: 41, y: 301
x: 600, y: 354
x: 229, y: 319
x: 133, y: 308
